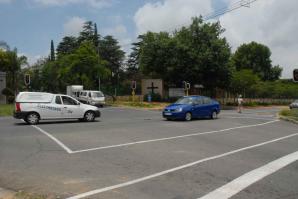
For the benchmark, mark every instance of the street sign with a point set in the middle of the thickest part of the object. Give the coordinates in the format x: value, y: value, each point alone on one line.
x: 295, y: 75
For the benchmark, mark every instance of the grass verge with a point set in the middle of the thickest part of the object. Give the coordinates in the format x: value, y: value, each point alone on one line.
x: 144, y: 105
x: 23, y: 195
x: 6, y: 109
x: 291, y: 114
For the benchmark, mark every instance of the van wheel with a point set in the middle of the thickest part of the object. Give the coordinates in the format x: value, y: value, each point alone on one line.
x: 32, y: 118
x: 188, y: 116
x: 89, y: 116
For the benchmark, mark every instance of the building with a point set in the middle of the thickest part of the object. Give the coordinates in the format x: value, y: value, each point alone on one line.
x: 2, y: 86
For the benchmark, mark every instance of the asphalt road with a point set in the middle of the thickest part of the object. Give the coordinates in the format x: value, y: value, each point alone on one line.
x: 136, y: 154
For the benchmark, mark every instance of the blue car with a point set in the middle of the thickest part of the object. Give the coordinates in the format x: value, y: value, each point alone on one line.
x: 190, y: 107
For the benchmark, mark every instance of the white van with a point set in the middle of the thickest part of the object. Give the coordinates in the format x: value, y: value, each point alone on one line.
x: 35, y: 106
x: 74, y: 90
x: 95, y: 98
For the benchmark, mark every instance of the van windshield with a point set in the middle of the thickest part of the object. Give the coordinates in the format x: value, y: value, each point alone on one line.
x: 97, y: 94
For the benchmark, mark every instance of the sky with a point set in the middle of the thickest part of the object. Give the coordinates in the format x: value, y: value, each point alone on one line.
x: 30, y: 25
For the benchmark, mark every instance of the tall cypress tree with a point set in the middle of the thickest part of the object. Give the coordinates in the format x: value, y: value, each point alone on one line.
x: 96, y: 36
x: 52, y: 56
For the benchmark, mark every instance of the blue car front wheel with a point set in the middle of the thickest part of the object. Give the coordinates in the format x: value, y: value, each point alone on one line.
x: 188, y: 116
x: 214, y: 115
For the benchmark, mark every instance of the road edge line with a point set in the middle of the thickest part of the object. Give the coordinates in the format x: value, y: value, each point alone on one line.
x: 109, y: 188
x: 238, y: 184
x: 171, y: 138
x: 68, y: 150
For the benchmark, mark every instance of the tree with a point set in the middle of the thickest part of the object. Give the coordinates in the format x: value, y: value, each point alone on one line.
x: 243, y: 82
x: 3, y: 60
x: 96, y: 37
x: 14, y: 65
x: 111, y: 52
x: 4, y: 45
x: 256, y: 57
x: 82, y: 67
x: 52, y: 56
x: 67, y: 46
x: 196, y: 54
x: 87, y: 34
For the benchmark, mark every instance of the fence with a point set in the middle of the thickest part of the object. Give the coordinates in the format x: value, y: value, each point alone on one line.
x: 126, y: 98
x: 223, y: 101
x: 256, y: 101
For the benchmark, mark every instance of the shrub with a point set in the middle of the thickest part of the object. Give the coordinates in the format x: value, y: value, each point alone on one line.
x: 10, y: 99
x: 7, y: 92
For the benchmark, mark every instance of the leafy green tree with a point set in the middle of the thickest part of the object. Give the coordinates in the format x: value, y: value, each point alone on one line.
x: 11, y: 63
x: 256, y: 57
x: 3, y: 60
x: 82, y: 67
x: 4, y: 45
x: 243, y: 82
x: 196, y: 54
x: 67, y: 46
x: 87, y: 34
x: 112, y: 53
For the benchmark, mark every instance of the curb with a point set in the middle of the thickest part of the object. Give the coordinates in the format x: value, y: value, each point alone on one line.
x: 6, y: 194
x: 287, y: 119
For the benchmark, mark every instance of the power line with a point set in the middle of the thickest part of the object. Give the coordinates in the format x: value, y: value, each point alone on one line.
x: 234, y: 6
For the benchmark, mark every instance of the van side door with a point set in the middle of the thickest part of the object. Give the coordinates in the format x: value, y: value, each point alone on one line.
x: 71, y: 108
x: 51, y: 110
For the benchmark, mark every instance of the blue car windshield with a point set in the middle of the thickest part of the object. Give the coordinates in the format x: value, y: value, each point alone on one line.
x: 185, y: 100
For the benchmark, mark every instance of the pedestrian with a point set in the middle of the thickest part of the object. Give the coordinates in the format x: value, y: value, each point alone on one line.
x: 240, y: 103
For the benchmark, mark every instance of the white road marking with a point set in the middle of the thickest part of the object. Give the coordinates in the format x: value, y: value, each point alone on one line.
x: 68, y: 150
x: 242, y: 182
x: 171, y: 138
x: 97, y: 191
x: 256, y: 118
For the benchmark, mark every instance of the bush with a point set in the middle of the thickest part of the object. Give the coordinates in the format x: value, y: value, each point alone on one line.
x: 10, y: 99
x: 155, y: 97
x: 7, y: 92
x: 290, y: 113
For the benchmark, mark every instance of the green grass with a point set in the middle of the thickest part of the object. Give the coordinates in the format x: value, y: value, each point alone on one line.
x: 146, y: 105
x: 6, y: 109
x: 23, y: 195
x: 292, y: 114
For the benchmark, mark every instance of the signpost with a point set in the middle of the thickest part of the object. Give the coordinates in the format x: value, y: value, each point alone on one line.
x: 133, y: 87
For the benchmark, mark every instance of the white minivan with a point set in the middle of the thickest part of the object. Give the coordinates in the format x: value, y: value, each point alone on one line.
x: 35, y: 106
x: 95, y: 98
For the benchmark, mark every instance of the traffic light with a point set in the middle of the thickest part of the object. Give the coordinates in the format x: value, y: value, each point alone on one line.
x: 27, y: 79
x: 133, y: 85
x: 295, y: 75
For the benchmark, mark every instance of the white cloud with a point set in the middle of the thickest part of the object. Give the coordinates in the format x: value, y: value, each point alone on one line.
x: 74, y: 26
x: 91, y: 3
x: 117, y: 30
x: 271, y: 22
x: 168, y: 15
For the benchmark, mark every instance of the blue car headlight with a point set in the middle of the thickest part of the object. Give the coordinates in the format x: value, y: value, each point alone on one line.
x: 178, y: 110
